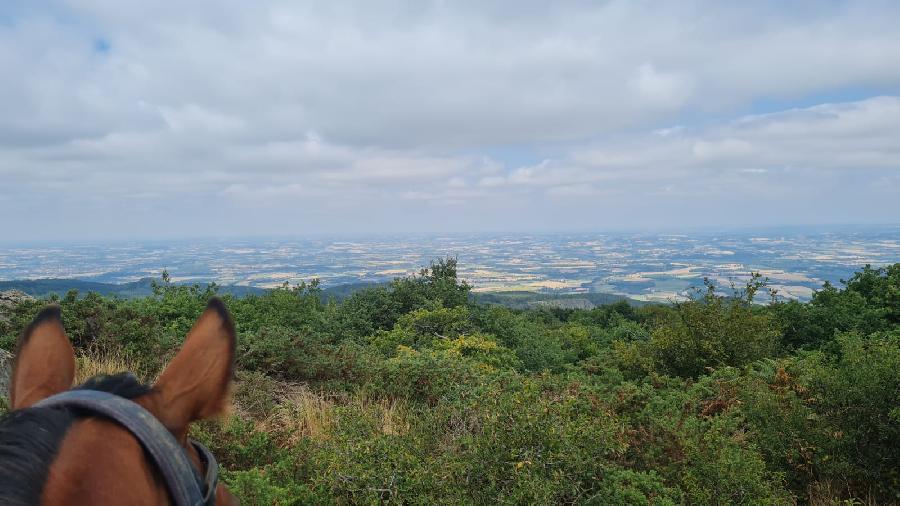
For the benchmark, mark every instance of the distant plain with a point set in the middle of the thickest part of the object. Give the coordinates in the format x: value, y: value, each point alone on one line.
x: 645, y: 267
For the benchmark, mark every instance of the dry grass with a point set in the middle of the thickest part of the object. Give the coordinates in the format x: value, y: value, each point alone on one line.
x: 90, y: 364
x: 301, y: 413
x: 291, y: 411
x: 390, y: 416
x: 824, y: 493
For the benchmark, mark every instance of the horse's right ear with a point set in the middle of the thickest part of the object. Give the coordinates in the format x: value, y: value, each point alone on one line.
x: 197, y: 383
x: 45, y: 361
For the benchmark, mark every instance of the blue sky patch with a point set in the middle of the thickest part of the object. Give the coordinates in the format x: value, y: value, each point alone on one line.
x: 101, y: 45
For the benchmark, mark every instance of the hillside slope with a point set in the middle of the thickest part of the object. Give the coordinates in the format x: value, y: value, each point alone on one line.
x: 413, y: 393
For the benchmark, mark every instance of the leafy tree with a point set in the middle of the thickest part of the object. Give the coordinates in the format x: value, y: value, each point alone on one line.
x: 707, y: 332
x: 365, y: 313
x: 869, y: 303
x: 436, y: 286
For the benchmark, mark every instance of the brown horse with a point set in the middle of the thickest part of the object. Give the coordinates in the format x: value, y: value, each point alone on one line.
x: 58, y: 455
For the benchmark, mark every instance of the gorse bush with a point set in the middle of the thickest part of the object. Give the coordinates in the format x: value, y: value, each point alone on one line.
x: 708, y: 332
x: 855, y: 394
x: 869, y: 303
x: 412, y: 394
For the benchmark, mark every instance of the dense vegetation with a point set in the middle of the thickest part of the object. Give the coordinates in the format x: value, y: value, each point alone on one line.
x: 141, y: 288
x: 411, y: 393
x: 537, y: 300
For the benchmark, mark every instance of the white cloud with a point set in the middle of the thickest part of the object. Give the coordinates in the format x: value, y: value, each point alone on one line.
x: 319, y: 112
x: 850, y: 138
x: 667, y: 91
x: 424, y: 73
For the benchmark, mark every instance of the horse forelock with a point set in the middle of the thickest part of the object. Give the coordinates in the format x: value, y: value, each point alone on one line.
x: 30, y: 439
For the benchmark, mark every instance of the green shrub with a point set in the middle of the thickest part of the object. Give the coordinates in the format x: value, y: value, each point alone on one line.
x: 869, y: 303
x: 623, y: 486
x: 254, y: 394
x: 481, y: 349
x: 410, y: 394
x: 298, y: 309
x: 710, y: 332
x: 258, y: 487
x: 781, y: 421
x: 855, y: 394
x: 287, y: 354
x: 721, y: 467
x: 538, y: 441
x: 423, y: 327
x: 434, y: 287
x: 425, y: 376
x: 237, y: 444
x: 364, y: 313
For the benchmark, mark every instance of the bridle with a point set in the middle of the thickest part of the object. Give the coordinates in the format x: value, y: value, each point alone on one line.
x: 186, y: 486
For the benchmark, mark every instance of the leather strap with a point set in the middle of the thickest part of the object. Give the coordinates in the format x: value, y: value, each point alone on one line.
x: 183, y: 480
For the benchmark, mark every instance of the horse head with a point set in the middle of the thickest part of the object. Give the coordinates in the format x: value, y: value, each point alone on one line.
x: 54, y: 450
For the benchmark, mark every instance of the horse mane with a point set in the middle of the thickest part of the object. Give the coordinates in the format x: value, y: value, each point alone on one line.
x: 30, y: 439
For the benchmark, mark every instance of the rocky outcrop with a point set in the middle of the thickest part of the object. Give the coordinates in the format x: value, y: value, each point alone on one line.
x: 6, y: 363
x: 8, y: 300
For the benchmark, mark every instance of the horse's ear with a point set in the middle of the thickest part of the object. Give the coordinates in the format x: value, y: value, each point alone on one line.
x: 197, y: 382
x: 45, y: 361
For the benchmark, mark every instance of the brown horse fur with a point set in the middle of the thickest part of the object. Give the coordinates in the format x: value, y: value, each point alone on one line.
x: 63, y: 458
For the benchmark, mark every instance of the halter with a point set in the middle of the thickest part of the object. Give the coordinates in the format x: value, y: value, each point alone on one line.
x: 185, y: 484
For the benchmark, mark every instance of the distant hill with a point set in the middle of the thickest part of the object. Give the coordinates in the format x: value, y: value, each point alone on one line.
x: 341, y: 292
x: 143, y: 288
x: 532, y: 300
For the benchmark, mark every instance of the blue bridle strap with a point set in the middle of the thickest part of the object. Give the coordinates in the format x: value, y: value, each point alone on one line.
x: 185, y: 484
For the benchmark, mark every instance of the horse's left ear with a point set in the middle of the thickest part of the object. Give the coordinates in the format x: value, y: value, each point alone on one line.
x: 45, y: 361
x: 197, y: 382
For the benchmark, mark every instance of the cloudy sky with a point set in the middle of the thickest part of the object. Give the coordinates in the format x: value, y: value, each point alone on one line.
x: 123, y: 119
